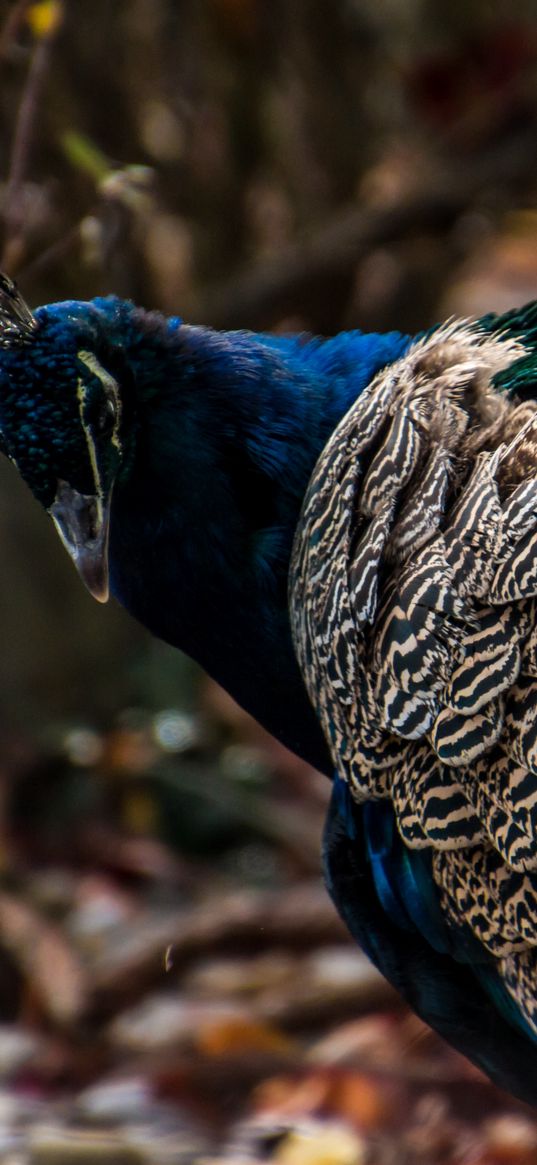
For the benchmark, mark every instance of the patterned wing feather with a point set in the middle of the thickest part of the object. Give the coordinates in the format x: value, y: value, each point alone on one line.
x: 412, y: 593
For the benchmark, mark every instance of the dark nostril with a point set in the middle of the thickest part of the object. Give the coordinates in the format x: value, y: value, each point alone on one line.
x: 91, y: 516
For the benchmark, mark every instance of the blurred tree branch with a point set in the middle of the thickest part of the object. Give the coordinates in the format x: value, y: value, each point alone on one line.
x: 46, y: 22
x: 260, y: 296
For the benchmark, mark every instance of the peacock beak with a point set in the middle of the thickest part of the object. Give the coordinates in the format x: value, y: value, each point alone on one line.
x: 82, y: 521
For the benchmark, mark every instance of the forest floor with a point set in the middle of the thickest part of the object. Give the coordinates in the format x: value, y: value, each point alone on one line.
x: 176, y: 984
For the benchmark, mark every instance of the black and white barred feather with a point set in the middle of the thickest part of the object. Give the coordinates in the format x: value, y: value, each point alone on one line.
x: 413, y: 591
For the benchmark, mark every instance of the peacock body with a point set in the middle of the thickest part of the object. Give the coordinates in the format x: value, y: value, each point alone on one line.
x: 355, y: 519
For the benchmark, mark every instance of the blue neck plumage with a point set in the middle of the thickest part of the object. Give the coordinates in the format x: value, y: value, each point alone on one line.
x: 224, y: 453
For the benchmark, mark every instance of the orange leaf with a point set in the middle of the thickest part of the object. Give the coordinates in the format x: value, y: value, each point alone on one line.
x: 238, y: 1034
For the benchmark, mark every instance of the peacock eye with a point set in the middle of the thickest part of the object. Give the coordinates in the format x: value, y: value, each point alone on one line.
x: 106, y: 417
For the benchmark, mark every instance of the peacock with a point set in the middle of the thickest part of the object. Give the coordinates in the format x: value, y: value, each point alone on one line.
x: 343, y: 533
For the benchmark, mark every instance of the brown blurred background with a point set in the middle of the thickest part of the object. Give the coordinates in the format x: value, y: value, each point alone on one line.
x: 242, y: 163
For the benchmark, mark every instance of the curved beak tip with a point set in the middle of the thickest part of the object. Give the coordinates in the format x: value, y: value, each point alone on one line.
x: 94, y: 575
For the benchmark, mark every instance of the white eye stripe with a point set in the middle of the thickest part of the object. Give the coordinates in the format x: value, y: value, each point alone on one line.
x: 81, y: 394
x: 109, y: 384
x: 111, y: 389
x: 106, y: 378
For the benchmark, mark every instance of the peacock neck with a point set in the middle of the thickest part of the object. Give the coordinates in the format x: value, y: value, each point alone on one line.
x: 208, y: 512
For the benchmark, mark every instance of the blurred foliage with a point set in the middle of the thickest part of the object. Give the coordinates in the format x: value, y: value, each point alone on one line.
x: 245, y: 163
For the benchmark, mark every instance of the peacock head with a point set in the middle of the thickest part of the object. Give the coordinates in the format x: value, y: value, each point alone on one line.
x: 63, y: 420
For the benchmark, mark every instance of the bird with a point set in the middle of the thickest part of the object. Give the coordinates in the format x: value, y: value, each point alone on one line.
x: 342, y: 531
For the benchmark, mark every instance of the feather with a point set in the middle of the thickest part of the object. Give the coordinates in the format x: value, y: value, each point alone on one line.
x: 445, y: 623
